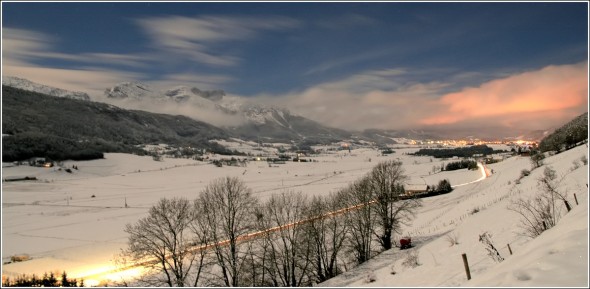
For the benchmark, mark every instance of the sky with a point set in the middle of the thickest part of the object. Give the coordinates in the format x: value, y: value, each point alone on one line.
x: 347, y: 65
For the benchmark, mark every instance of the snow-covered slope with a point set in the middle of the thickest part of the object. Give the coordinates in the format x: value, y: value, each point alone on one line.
x: 448, y: 226
x: 25, y: 84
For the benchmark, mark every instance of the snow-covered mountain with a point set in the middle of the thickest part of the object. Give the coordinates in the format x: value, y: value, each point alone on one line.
x: 25, y: 84
x: 133, y: 91
x: 260, y: 121
x: 142, y: 91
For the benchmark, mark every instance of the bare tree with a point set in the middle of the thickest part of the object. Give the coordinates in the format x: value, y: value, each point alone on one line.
x: 537, y: 158
x: 227, y: 207
x: 289, y: 247
x: 162, y: 241
x: 361, y: 219
x: 550, y: 184
x: 542, y: 211
x: 535, y: 214
x: 328, y: 234
x: 386, y: 182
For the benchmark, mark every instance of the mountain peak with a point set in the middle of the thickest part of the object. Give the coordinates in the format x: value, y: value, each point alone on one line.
x: 131, y: 90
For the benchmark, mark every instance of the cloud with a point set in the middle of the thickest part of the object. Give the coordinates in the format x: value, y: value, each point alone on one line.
x: 374, y: 99
x: 194, y: 37
x: 21, y: 47
x: 546, y: 93
x: 351, y: 59
x: 389, y: 99
x: 196, y: 108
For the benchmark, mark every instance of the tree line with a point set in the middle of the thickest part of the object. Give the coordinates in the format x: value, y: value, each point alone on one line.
x: 47, y: 280
x: 567, y: 136
x: 228, y: 237
x: 462, y: 152
x: 462, y: 164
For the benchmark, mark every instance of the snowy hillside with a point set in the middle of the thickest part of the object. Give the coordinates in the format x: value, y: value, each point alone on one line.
x: 450, y: 225
x: 40, y: 88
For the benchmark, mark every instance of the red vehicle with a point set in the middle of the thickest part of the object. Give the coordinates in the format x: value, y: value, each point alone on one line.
x: 405, y: 242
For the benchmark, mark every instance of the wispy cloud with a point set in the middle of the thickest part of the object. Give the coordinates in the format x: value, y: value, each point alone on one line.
x: 23, y: 46
x: 91, y: 72
x: 20, y: 46
x: 344, y: 61
x: 195, y: 37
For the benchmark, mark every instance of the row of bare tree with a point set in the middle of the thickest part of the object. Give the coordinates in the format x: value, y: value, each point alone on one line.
x: 227, y: 237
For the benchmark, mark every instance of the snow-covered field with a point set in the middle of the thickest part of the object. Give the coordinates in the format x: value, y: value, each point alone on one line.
x: 75, y: 221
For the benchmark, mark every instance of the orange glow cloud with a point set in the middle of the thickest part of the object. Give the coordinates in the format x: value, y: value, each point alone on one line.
x: 550, y: 90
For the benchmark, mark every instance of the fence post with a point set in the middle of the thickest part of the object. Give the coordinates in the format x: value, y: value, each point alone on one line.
x: 544, y: 226
x: 576, y: 198
x: 567, y: 205
x: 466, y: 264
x: 509, y: 249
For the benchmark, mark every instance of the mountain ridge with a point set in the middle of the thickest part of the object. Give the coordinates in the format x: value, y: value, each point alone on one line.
x: 42, y: 88
x: 32, y: 119
x: 254, y: 121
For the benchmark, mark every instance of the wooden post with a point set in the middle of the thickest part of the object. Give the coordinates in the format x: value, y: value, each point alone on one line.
x: 544, y: 226
x: 466, y: 264
x: 576, y: 198
x: 509, y: 249
x: 567, y: 205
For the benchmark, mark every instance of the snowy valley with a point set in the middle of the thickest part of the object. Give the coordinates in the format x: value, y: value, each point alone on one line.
x: 74, y: 221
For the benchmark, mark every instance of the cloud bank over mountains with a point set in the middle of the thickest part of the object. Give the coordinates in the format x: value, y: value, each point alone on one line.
x: 377, y: 99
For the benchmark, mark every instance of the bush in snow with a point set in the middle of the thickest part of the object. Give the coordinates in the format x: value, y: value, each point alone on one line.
x: 452, y: 239
x: 535, y: 214
x: 444, y: 186
x: 543, y: 210
x: 584, y: 160
x: 524, y: 173
x: 486, y: 240
x: 575, y: 165
x: 411, y: 259
x: 370, y: 277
